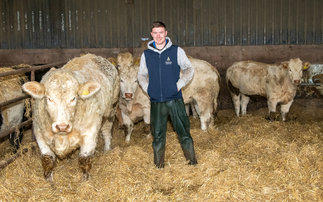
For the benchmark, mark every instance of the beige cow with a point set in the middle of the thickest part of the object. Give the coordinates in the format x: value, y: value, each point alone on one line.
x: 277, y: 82
x: 12, y: 115
x: 201, y: 92
x: 133, y: 102
x: 72, y: 106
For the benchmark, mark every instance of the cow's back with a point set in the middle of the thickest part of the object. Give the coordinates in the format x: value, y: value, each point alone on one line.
x: 206, y: 78
x: 247, y: 77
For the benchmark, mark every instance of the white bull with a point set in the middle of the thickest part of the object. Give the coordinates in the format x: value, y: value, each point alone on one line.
x: 276, y: 82
x: 12, y: 115
x: 311, y: 71
x: 72, y: 105
x: 201, y: 92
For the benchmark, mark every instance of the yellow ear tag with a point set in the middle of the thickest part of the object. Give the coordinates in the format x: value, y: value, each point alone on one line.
x: 136, y: 63
x: 304, y: 67
x: 86, y: 92
x: 113, y: 63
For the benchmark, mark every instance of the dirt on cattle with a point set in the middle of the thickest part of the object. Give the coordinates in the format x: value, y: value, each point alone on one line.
x: 239, y: 159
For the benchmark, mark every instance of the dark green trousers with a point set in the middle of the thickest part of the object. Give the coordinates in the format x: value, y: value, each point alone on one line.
x: 158, y: 121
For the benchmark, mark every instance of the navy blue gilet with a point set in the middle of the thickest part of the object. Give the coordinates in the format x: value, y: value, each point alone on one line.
x: 163, y: 71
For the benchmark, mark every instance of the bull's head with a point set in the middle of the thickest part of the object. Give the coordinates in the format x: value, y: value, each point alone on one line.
x: 61, y: 92
x: 128, y: 70
x: 295, y: 68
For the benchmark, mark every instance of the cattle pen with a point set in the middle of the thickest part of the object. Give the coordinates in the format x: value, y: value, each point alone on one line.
x: 246, y: 158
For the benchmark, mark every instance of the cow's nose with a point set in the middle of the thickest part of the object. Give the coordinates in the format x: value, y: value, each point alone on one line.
x: 128, y: 95
x: 297, y: 81
x: 62, y: 127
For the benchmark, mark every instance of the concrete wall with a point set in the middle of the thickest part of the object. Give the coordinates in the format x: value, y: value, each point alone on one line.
x: 219, y: 56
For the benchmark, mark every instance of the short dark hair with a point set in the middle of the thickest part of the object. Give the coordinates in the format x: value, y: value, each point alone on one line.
x: 157, y: 24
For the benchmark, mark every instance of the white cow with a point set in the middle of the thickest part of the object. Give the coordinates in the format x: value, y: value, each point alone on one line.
x: 277, y: 82
x: 72, y: 105
x: 12, y: 115
x: 133, y: 102
x: 201, y: 92
x: 311, y: 71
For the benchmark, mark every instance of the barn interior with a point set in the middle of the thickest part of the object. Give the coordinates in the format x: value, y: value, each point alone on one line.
x: 239, y: 159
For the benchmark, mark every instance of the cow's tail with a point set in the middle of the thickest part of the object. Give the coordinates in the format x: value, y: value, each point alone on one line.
x: 215, y: 100
x: 232, y: 89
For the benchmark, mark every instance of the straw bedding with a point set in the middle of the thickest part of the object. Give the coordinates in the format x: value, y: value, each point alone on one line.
x: 239, y: 159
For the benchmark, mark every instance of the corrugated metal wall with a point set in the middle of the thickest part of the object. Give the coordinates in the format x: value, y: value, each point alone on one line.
x: 38, y: 24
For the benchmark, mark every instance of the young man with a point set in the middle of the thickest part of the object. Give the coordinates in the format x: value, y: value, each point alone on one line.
x: 159, y: 76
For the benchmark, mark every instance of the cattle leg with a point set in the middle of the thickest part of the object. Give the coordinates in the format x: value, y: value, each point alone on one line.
x: 119, y: 118
x: 147, y: 121
x: 244, y: 104
x: 85, y: 165
x: 15, y: 139
x: 128, y: 131
x: 284, y: 109
x: 187, y: 108
x: 206, y: 114
x: 106, y: 131
x: 129, y: 126
x: 192, y: 107
x: 147, y: 130
x: 272, y: 103
x: 236, y: 103
x: 48, y: 164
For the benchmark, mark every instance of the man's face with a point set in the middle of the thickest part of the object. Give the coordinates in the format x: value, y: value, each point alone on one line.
x: 159, y: 35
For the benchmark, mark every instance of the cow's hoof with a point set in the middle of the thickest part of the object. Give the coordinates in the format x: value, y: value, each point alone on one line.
x: 128, y: 139
x: 149, y: 136
x: 106, y: 150
x: 85, y: 177
x: 48, y: 166
x: 85, y: 165
x: 273, y: 116
x: 49, y: 179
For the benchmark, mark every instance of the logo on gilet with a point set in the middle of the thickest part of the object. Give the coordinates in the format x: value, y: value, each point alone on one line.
x: 168, y: 61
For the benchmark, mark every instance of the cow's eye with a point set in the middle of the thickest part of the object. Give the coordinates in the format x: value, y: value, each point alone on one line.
x: 121, y: 80
x: 136, y: 80
x: 72, y: 100
x: 49, y: 100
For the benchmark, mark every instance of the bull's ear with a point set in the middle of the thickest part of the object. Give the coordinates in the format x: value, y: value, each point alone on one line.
x: 113, y: 61
x: 306, y: 65
x: 35, y: 89
x: 136, y: 60
x: 88, y: 89
x: 284, y: 65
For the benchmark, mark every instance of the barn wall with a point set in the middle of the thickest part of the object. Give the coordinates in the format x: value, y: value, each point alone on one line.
x: 69, y: 24
x: 219, y: 56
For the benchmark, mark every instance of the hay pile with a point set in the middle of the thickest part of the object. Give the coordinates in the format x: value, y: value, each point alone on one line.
x: 240, y: 159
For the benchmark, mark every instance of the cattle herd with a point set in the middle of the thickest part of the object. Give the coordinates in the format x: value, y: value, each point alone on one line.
x: 74, y: 104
